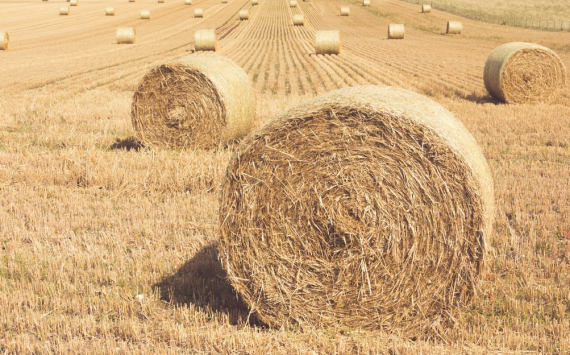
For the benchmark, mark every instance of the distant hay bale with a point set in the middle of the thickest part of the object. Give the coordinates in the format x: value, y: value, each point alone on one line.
x: 224, y: 1
x: 73, y: 2
x: 244, y: 15
x: 126, y: 35
x: 366, y: 208
x: 520, y: 72
x: 161, y: 1
x: 396, y: 31
x: 366, y: 3
x: 145, y: 14
x: 205, y: 40
x: 187, y: 2
x: 110, y: 11
x: 327, y: 42
x: 298, y: 20
x: 254, y: 2
x: 131, y: 0
x: 4, y: 40
x: 293, y: 3
x: 426, y: 8
x: 198, y: 13
x: 64, y: 11
x: 200, y: 101
x: 344, y: 11
x: 454, y: 27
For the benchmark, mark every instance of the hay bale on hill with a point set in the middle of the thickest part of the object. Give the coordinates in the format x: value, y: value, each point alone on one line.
x: 201, y: 101
x: 126, y: 35
x: 109, y: 11
x: 365, y: 208
x: 198, y: 13
x: 187, y: 2
x: 293, y: 3
x: 396, y: 31
x: 520, y: 72
x: 254, y: 2
x: 426, y: 8
x: 454, y: 27
x: 244, y: 14
x: 327, y: 42
x: 161, y: 1
x: 4, y: 40
x: 145, y: 14
x: 365, y: 2
x: 224, y: 1
x: 73, y: 2
x: 205, y: 40
x: 298, y: 20
x: 344, y: 11
x: 64, y: 11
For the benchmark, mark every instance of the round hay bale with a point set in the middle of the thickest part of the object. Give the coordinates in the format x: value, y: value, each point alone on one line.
x: 161, y: 1
x: 205, y: 40
x: 254, y: 2
x: 298, y: 20
x: 201, y: 101
x: 520, y: 72
x: 454, y: 27
x: 224, y: 1
x: 4, y: 40
x: 145, y: 14
x: 198, y: 13
x: 64, y: 11
x: 365, y: 208
x: 244, y: 15
x: 73, y: 2
x: 344, y: 11
x: 110, y: 11
x: 293, y: 3
x: 126, y: 35
x: 327, y: 42
x: 396, y: 31
x: 426, y: 8
x: 187, y: 2
x: 366, y: 3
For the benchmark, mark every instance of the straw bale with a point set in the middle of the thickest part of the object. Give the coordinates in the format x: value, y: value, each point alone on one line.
x: 293, y: 3
x: 426, y: 8
x: 454, y: 27
x: 126, y: 35
x: 4, y: 40
x: 344, y: 11
x: 73, y: 2
x: 327, y: 42
x: 396, y: 31
x: 366, y: 208
x: 205, y: 40
x: 64, y: 10
x: 366, y: 3
x: 298, y: 20
x: 244, y: 14
x: 519, y: 72
x: 201, y: 101
x: 110, y: 11
x: 198, y: 13
x: 254, y: 2
x: 145, y: 14
x: 187, y: 2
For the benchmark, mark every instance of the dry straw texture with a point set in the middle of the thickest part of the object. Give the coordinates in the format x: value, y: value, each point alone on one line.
x: 201, y: 101
x: 206, y: 40
x: 426, y: 9
x: 454, y: 27
x: 244, y: 14
x: 293, y: 3
x: 126, y: 35
x: 198, y: 13
x: 110, y: 11
x: 366, y: 3
x: 327, y: 42
x: 396, y: 31
x: 344, y: 11
x: 520, y: 72
x: 145, y: 14
x: 298, y: 20
x: 73, y: 2
x: 4, y: 40
x: 64, y: 10
x: 366, y: 208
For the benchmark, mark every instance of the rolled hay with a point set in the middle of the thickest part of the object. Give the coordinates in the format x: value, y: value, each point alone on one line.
x: 244, y: 15
x: 454, y: 27
x: 64, y: 11
x: 201, y: 101
x: 205, y: 40
x: 198, y: 13
x: 327, y: 42
x: 366, y: 3
x: 110, y: 11
x: 73, y: 2
x: 293, y: 3
x: 126, y: 35
x: 366, y: 208
x: 187, y: 2
x: 519, y: 72
x: 145, y: 14
x: 344, y: 11
x: 4, y: 40
x: 254, y: 2
x: 298, y: 20
x: 396, y: 31
x: 426, y: 8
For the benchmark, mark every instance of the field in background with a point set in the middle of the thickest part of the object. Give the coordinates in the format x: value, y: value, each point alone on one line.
x: 109, y: 248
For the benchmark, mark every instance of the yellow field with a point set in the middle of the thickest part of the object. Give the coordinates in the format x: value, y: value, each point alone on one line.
x: 107, y: 248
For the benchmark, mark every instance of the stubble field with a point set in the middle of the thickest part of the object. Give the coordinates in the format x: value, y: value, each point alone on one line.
x: 109, y: 248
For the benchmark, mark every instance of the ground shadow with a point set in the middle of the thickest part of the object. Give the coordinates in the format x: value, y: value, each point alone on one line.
x: 203, y: 282
x: 129, y: 143
x: 481, y: 99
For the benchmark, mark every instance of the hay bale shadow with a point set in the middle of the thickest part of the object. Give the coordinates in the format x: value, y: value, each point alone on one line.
x: 129, y: 143
x: 482, y: 99
x: 203, y: 282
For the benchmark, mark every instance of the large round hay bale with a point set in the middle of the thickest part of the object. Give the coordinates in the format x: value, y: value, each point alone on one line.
x: 365, y: 2
x: 4, y: 40
x: 109, y: 11
x: 293, y: 3
x: 298, y: 20
x: 396, y: 31
x: 187, y: 2
x: 426, y: 8
x: 344, y: 11
x: 244, y: 14
x: 198, y: 13
x: 327, y: 42
x: 126, y: 35
x: 201, y: 101
x: 454, y: 27
x: 520, y: 72
x: 64, y: 11
x: 254, y: 2
x: 145, y: 14
x: 73, y: 2
x: 205, y: 40
x: 365, y: 208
